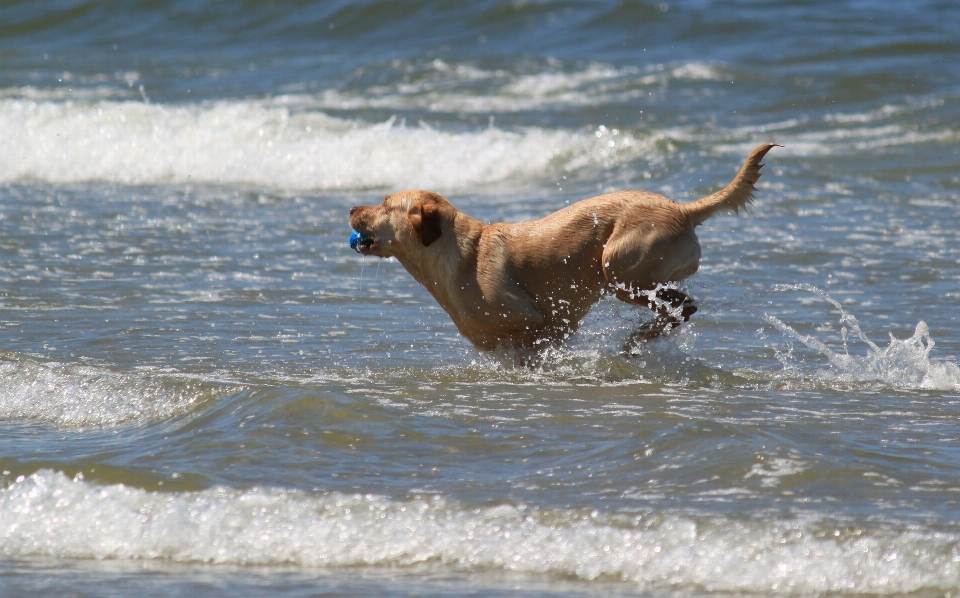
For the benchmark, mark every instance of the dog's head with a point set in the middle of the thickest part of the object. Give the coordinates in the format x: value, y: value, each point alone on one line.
x: 402, y: 225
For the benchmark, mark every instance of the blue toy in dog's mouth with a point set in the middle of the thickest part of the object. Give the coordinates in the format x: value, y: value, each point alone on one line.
x: 357, y: 238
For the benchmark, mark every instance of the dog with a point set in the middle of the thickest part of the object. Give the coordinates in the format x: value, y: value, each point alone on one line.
x: 528, y: 285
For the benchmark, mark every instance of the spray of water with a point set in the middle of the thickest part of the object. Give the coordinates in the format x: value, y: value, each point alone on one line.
x: 903, y: 363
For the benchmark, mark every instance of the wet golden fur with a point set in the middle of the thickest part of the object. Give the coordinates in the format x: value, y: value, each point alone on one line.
x: 525, y: 284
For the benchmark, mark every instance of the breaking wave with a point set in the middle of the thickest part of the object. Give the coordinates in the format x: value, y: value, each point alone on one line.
x: 77, y: 396
x: 50, y: 514
x: 269, y: 143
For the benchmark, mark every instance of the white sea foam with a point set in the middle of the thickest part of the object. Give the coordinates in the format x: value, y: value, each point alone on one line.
x: 78, y: 396
x: 862, y: 138
x: 272, y: 144
x: 446, y: 88
x: 903, y: 363
x: 49, y: 514
x: 847, y: 133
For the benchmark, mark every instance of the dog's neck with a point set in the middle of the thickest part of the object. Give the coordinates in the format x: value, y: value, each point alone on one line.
x: 460, y: 237
x: 441, y: 276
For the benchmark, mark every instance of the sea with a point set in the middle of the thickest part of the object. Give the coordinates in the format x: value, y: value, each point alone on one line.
x: 204, y: 392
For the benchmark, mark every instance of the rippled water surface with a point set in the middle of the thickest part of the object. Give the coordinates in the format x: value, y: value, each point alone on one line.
x: 203, y: 391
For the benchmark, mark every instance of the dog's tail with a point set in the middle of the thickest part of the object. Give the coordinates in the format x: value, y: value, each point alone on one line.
x: 735, y: 195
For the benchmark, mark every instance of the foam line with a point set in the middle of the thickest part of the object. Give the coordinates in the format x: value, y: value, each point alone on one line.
x: 269, y: 144
x: 49, y: 514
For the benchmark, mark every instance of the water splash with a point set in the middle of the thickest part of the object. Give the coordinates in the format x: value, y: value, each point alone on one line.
x: 607, y: 348
x: 903, y: 363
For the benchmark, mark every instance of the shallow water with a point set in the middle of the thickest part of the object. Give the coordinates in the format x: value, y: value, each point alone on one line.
x: 204, y: 391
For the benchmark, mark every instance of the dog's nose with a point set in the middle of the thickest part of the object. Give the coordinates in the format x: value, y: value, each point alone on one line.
x: 352, y: 210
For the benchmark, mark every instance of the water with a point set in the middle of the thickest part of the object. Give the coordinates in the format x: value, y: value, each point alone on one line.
x: 204, y: 391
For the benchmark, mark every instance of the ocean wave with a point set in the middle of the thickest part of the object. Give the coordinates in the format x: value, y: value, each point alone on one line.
x: 439, y: 86
x: 292, y: 143
x: 79, y: 396
x: 50, y: 514
x: 266, y: 143
x: 912, y: 122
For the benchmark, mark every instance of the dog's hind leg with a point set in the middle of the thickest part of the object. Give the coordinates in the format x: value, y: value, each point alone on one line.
x: 680, y: 304
x: 648, y: 331
x: 667, y: 302
x: 671, y: 306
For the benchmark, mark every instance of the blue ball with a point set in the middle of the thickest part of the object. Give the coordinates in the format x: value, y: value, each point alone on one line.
x: 355, y: 238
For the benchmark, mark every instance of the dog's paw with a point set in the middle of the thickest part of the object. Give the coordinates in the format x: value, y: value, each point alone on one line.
x: 677, y: 303
x: 658, y: 327
x: 688, y: 310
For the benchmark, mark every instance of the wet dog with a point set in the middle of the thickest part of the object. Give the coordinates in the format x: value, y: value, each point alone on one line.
x: 528, y: 285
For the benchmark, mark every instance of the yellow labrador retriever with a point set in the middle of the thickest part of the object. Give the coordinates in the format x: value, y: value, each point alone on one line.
x: 529, y: 284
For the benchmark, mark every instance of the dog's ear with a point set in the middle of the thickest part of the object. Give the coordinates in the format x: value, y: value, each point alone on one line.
x: 426, y: 222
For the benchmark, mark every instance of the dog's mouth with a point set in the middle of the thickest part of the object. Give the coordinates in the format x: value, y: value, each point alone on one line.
x: 361, y: 243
